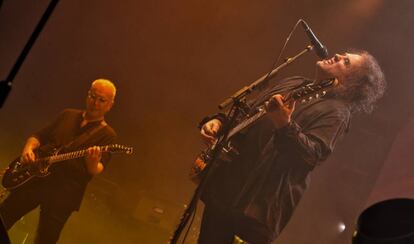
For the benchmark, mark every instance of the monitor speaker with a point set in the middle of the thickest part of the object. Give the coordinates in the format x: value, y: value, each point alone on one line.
x: 386, y: 222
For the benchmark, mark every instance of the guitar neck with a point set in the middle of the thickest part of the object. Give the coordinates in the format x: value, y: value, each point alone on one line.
x: 67, y: 156
x: 246, y: 123
x: 251, y: 120
x: 304, y: 94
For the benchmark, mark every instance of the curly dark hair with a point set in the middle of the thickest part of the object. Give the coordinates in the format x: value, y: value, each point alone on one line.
x: 364, y: 85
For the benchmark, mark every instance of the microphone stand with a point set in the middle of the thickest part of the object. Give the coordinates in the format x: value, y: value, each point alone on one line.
x: 6, y: 85
x: 237, y: 100
x: 261, y: 81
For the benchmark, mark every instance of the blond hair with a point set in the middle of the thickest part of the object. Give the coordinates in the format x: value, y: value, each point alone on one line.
x: 105, y: 83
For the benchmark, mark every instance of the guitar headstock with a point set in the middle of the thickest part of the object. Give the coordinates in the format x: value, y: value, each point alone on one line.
x: 117, y: 148
x: 312, y: 91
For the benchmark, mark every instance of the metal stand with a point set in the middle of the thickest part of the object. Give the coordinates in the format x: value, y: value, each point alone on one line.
x: 6, y: 85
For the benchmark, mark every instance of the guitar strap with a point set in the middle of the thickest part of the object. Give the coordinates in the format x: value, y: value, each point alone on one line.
x: 85, y: 136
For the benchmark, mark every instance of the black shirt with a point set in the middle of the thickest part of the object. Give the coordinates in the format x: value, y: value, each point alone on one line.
x: 69, y: 178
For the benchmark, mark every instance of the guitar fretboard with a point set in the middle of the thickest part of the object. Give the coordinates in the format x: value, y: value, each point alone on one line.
x: 304, y: 93
x: 66, y: 156
x: 247, y: 122
x: 81, y: 153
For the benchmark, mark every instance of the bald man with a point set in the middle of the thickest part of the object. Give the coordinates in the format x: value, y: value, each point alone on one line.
x: 61, y: 193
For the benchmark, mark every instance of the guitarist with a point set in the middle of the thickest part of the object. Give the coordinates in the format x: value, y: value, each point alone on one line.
x: 61, y: 193
x: 252, y: 196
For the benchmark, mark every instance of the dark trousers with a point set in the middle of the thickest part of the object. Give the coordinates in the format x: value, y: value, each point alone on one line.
x: 220, y: 227
x: 53, y: 211
x: 216, y: 227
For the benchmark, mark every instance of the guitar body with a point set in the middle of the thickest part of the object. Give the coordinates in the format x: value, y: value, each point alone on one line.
x: 227, y: 154
x: 17, y: 173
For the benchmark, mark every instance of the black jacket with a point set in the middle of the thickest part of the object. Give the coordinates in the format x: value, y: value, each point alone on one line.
x: 266, y: 181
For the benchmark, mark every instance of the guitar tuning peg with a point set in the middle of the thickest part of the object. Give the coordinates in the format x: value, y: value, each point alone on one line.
x: 303, y: 101
x: 310, y: 98
x: 317, y: 95
x: 323, y: 93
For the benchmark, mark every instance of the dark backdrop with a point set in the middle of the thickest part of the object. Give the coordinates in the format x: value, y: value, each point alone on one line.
x: 173, y: 62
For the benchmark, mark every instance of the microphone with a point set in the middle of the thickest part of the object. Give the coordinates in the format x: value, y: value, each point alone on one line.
x: 319, y: 48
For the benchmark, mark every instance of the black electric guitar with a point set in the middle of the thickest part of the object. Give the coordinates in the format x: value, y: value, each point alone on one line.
x: 302, y: 94
x: 17, y: 173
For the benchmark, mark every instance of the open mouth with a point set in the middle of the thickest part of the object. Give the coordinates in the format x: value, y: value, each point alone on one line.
x: 329, y: 61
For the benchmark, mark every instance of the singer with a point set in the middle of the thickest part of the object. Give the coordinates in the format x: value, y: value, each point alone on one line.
x: 253, y: 195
